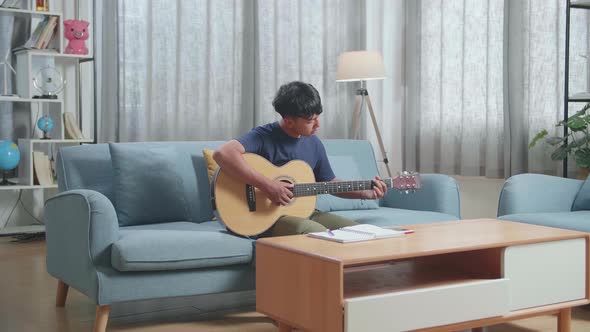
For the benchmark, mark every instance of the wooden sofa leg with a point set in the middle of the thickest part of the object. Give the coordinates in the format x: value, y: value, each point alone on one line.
x: 62, y: 294
x: 102, y: 318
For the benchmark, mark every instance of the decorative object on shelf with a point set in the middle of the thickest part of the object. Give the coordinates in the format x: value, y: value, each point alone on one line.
x: 9, y: 159
x: 42, y: 5
x: 76, y: 32
x: 576, y: 143
x: 45, y: 124
x: 363, y: 66
x: 49, y: 82
x: 7, y: 66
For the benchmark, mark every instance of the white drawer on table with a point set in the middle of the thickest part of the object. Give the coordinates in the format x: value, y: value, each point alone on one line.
x: 427, y: 307
x: 545, y: 273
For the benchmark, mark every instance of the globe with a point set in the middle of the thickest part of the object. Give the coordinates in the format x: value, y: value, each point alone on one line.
x: 9, y: 155
x: 45, y: 124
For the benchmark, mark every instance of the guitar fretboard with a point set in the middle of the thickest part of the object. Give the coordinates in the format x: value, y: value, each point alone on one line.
x: 317, y: 188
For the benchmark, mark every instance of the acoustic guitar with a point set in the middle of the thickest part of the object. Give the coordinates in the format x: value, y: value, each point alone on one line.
x: 246, y: 210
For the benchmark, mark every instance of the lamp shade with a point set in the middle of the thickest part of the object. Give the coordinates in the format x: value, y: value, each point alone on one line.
x: 360, y: 66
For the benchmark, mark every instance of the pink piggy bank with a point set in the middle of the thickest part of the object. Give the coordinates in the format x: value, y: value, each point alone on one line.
x: 76, y: 31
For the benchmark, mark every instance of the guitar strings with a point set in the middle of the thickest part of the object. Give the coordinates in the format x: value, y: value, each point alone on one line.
x: 309, y: 189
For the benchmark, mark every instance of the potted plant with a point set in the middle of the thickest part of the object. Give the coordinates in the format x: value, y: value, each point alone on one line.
x: 578, y: 140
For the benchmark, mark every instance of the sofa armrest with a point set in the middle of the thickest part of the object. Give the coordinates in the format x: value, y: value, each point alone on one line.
x: 531, y: 193
x: 80, y: 226
x: 439, y: 193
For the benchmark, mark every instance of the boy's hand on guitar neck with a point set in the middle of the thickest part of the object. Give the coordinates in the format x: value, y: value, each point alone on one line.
x: 278, y: 192
x: 379, y: 189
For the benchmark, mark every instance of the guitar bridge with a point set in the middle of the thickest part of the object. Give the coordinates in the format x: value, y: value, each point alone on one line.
x: 251, y: 197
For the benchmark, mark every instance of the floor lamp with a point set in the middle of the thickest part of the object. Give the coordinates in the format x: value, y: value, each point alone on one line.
x: 362, y: 66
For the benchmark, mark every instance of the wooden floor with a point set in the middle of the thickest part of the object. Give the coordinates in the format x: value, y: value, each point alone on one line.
x: 27, y: 296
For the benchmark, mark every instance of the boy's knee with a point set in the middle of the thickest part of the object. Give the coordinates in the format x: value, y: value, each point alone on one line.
x: 309, y: 226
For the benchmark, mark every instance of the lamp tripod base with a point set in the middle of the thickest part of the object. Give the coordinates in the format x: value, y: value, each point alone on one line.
x: 362, y: 95
x: 5, y: 181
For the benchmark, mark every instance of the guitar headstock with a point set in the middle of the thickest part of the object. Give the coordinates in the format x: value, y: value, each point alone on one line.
x: 407, y: 181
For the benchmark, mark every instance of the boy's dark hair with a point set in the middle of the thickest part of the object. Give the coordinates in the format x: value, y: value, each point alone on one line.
x: 297, y: 99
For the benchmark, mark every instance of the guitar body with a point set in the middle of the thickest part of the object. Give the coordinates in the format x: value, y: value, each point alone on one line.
x: 231, y: 196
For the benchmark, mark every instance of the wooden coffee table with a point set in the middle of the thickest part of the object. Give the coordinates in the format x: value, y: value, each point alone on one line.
x: 446, y: 276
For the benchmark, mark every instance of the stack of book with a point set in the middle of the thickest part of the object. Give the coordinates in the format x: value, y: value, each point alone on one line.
x: 71, y: 129
x: 43, y: 169
x: 9, y: 4
x: 42, y: 35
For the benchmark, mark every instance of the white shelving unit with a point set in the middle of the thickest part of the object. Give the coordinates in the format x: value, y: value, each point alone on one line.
x: 75, y: 70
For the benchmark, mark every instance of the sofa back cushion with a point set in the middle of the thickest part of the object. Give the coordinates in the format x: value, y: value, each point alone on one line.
x: 90, y: 167
x: 85, y: 167
x: 582, y: 201
x: 350, y: 160
x: 148, y: 184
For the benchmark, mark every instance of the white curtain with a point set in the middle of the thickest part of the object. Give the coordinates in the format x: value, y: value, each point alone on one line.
x: 385, y: 25
x: 483, y: 78
x: 191, y: 70
x: 454, y: 114
x: 536, y: 55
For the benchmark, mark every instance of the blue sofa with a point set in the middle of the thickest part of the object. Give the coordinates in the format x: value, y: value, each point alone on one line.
x: 546, y: 200
x: 133, y: 221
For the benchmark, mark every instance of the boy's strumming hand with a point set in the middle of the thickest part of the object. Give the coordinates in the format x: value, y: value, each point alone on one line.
x: 278, y: 192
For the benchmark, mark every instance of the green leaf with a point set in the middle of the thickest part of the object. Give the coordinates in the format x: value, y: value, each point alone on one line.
x: 554, y: 140
x: 537, y: 137
x: 576, y: 123
x: 582, y: 157
x: 580, y: 142
x: 583, y: 110
x: 559, y: 154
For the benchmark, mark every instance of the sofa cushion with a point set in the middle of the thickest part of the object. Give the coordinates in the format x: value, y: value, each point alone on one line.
x: 582, y: 201
x: 178, y: 246
x: 346, y: 169
x: 578, y: 220
x: 147, y: 184
x: 385, y: 216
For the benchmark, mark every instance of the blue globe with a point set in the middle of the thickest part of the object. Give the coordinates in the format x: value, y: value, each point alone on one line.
x: 9, y: 155
x: 45, y: 124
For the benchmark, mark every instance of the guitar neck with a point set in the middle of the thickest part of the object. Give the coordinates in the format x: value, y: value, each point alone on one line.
x: 317, y: 188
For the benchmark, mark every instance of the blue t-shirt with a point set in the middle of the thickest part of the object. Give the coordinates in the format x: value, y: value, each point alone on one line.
x: 272, y: 143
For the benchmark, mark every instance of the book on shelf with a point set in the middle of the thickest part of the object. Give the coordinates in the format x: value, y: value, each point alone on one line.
x: 36, y: 35
x: 42, y: 169
x: 47, y: 34
x: 362, y: 232
x: 71, y: 129
x: 44, y: 33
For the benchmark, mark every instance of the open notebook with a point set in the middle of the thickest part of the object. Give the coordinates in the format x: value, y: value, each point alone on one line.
x: 358, y: 233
